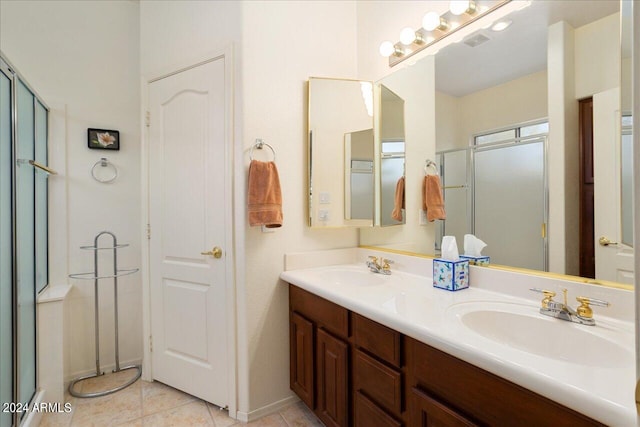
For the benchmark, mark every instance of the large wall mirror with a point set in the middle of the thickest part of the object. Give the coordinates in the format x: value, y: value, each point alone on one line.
x: 531, y: 130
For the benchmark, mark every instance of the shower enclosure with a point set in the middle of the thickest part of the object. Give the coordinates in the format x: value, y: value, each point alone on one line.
x: 497, y: 190
x: 23, y: 237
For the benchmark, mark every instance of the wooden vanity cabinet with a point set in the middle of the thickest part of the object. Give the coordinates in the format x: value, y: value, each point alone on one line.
x: 444, y: 387
x: 319, y: 354
x: 353, y: 371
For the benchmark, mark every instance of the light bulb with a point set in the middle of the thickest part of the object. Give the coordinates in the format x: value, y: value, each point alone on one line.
x: 387, y: 48
x: 407, y: 36
x: 431, y: 21
x: 458, y: 7
x: 501, y: 25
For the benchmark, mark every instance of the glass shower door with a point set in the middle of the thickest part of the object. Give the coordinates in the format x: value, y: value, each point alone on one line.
x: 25, y: 244
x: 510, y: 203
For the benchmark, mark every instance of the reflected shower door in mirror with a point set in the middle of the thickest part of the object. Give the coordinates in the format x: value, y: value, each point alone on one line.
x: 392, y: 152
x: 340, y: 145
x: 497, y: 189
x: 359, y: 178
x: 538, y: 68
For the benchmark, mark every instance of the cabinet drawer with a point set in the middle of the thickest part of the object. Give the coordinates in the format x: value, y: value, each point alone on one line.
x: 427, y: 412
x: 377, y: 339
x: 367, y: 414
x: 325, y: 313
x: 379, y: 382
x: 491, y: 400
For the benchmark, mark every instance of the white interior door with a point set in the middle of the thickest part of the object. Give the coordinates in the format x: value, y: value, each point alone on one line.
x: 614, y: 261
x: 187, y: 212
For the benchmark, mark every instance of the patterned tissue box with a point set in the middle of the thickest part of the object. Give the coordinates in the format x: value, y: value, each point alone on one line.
x: 476, y: 260
x: 451, y: 275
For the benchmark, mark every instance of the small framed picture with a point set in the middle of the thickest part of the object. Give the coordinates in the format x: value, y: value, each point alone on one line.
x: 103, y: 139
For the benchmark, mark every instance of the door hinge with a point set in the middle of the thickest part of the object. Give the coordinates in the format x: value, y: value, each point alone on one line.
x: 147, y: 118
x: 148, y: 231
x: 150, y: 343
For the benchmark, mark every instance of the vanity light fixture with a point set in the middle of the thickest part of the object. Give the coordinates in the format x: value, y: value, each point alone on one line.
x: 435, y: 27
x: 458, y: 7
x: 388, y: 49
x: 501, y: 25
x: 432, y: 21
x: 407, y: 36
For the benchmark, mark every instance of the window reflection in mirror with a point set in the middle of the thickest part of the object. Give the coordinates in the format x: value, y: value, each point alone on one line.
x: 339, y: 111
x: 359, y: 181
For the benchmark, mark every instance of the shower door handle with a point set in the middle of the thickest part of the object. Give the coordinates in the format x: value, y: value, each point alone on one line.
x: 216, y: 252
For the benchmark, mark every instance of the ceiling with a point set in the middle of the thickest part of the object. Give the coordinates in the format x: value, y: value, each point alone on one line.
x: 519, y: 50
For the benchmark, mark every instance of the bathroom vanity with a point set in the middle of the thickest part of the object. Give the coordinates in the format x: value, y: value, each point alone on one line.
x: 368, y: 350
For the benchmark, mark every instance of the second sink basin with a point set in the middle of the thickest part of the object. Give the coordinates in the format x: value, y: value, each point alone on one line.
x: 523, y: 328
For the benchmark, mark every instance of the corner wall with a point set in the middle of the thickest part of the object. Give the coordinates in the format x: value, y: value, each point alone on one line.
x: 82, y: 58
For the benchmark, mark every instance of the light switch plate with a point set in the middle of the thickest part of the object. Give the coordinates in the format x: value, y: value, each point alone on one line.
x: 422, y: 217
x: 325, y: 198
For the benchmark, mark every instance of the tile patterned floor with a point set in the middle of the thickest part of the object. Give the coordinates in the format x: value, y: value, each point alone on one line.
x: 157, y: 405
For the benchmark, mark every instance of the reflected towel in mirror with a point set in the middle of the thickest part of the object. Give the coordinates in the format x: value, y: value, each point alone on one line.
x: 265, y: 196
x: 432, y: 200
x: 398, y: 200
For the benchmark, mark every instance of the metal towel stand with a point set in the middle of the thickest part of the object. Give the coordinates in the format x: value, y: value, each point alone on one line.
x: 96, y: 277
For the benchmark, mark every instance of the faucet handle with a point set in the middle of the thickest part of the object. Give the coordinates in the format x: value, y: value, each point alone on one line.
x: 548, y: 296
x: 386, y: 264
x: 584, y: 310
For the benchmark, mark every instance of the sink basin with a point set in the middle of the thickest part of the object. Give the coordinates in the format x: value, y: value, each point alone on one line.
x: 352, y: 275
x: 523, y: 328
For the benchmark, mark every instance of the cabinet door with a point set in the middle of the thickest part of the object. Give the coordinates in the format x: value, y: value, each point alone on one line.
x: 332, y: 370
x: 427, y: 412
x: 368, y: 414
x: 301, y: 364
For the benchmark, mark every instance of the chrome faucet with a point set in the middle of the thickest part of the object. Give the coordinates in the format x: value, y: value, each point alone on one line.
x: 382, y: 267
x: 582, y: 315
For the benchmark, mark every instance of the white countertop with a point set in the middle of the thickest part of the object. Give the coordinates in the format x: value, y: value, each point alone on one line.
x: 601, y: 386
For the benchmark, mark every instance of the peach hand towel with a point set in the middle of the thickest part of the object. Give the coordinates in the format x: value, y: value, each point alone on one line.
x: 399, y: 200
x: 265, y: 197
x: 432, y: 200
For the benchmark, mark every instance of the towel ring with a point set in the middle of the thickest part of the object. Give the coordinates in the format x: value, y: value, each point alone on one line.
x: 260, y: 145
x: 103, y: 162
x: 432, y: 164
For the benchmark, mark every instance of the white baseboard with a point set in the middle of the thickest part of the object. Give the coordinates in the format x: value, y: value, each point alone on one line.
x: 246, y: 417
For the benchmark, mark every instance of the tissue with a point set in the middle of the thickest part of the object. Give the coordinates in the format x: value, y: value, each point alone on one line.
x: 472, y: 250
x: 449, y: 248
x: 473, y: 246
x: 450, y: 272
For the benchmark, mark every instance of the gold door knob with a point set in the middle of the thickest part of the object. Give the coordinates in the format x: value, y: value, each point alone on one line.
x: 216, y: 252
x: 606, y: 242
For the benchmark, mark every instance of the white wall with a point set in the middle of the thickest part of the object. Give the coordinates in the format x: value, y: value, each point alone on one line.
x: 82, y: 58
x: 285, y: 42
x: 278, y: 46
x: 416, y: 86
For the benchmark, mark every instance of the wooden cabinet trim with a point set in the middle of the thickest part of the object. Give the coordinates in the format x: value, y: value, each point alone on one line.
x: 332, y: 370
x: 301, y: 374
x: 378, y: 339
x: 368, y: 414
x: 378, y: 382
x: 319, y: 310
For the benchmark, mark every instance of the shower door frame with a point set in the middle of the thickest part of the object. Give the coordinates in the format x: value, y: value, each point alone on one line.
x: 470, y: 180
x: 17, y: 417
